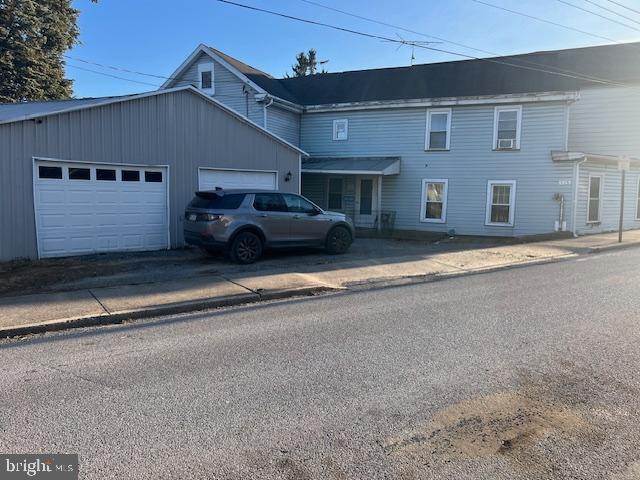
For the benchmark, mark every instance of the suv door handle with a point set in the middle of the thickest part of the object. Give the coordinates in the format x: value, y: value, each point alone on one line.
x: 296, y: 216
x: 263, y: 215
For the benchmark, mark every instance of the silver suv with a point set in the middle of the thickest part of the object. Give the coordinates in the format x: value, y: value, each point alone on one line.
x: 245, y: 222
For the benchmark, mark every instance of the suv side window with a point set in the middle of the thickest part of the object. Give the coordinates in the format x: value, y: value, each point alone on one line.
x: 297, y: 204
x: 269, y: 202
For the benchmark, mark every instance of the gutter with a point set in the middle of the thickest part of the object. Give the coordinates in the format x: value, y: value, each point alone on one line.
x: 264, y: 111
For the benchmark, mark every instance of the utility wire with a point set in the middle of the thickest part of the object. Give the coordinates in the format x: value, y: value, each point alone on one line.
x: 372, y: 20
x: 611, y: 10
x: 404, y: 42
x: 624, y: 6
x: 566, y: 27
x: 112, y: 76
x: 613, y: 20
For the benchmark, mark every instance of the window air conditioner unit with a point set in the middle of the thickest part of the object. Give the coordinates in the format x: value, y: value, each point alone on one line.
x: 506, y: 144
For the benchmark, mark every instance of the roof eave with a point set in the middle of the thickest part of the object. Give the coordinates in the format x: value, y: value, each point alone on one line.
x: 559, y: 96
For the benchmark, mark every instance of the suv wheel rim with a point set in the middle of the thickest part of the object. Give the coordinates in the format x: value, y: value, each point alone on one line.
x: 340, y: 240
x: 247, y: 248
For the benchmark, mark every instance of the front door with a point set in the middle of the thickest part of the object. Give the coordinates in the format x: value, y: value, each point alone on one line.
x: 366, y: 202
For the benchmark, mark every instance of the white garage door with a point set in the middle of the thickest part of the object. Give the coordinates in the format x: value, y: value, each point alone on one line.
x: 210, y: 178
x: 84, y: 208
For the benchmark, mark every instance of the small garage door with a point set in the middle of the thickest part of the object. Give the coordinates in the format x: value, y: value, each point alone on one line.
x: 210, y: 178
x: 85, y: 208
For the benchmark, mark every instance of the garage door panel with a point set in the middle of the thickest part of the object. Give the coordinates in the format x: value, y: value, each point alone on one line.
x: 77, y: 217
x: 210, y: 179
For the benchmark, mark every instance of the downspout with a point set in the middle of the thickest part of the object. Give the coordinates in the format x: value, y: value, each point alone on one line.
x: 576, y: 179
x: 264, y: 109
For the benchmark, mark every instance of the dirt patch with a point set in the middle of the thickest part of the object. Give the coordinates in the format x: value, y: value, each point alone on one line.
x: 498, y: 424
x: 33, y: 276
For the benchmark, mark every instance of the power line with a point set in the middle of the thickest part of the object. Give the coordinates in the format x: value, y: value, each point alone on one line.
x: 624, y: 6
x: 378, y: 22
x: 404, y: 42
x: 544, y: 20
x: 112, y: 76
x: 613, y: 20
x: 611, y: 10
x: 135, y: 72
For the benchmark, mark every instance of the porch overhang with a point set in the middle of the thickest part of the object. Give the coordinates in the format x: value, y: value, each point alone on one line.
x: 352, y: 165
x: 563, y: 157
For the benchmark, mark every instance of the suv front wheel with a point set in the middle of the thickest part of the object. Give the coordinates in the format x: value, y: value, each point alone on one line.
x: 246, y: 248
x: 338, y: 241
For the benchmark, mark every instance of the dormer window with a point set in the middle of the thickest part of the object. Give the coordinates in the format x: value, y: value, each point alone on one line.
x: 205, y: 77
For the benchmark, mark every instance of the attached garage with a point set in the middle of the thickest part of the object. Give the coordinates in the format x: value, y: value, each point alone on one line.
x: 115, y: 174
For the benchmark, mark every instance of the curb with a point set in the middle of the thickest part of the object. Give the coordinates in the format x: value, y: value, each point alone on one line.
x: 613, y: 247
x: 260, y: 296
x: 172, y: 309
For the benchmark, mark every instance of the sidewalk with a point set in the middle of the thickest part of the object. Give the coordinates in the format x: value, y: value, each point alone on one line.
x: 192, y: 284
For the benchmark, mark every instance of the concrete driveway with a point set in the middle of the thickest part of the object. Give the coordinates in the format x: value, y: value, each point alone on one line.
x: 95, y: 271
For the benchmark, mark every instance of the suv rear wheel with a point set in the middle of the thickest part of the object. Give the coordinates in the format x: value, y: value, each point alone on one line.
x: 339, y: 240
x: 246, y: 248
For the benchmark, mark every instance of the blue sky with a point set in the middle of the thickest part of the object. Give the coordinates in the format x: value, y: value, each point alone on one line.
x: 155, y: 36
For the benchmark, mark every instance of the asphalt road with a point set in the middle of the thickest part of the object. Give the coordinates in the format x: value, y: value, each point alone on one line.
x: 520, y: 374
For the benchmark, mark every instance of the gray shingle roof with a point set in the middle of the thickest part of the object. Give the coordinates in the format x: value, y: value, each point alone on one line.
x: 465, y: 78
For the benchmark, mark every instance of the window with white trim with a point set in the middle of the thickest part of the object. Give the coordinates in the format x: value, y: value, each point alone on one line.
x: 438, y: 129
x: 501, y: 199
x: 507, y: 127
x: 205, y: 77
x: 593, y: 207
x: 341, y: 129
x: 434, y: 200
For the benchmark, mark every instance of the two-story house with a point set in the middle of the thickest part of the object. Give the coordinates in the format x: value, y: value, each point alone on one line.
x: 509, y: 146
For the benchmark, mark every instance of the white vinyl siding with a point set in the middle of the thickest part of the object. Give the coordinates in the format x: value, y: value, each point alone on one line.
x: 438, y: 129
x: 340, y: 130
x: 507, y: 128
x: 468, y: 165
x: 501, y: 197
x: 595, y: 199
x: 434, y: 200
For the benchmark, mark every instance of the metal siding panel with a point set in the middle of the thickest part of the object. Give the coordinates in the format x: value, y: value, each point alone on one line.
x: 468, y: 165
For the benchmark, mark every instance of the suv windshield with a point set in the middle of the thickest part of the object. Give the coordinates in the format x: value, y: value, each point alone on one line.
x: 231, y: 201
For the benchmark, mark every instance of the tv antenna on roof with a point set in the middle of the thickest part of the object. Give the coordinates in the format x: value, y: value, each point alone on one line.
x: 413, y: 44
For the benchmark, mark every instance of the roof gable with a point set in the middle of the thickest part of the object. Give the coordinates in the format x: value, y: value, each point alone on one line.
x: 17, y: 112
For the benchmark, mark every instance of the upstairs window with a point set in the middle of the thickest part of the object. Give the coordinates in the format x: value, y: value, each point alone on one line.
x: 438, y: 129
x: 341, y: 129
x: 506, y: 130
x: 205, y: 77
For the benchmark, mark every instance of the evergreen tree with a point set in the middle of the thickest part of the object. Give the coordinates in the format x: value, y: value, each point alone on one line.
x: 34, y: 34
x: 306, y: 64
